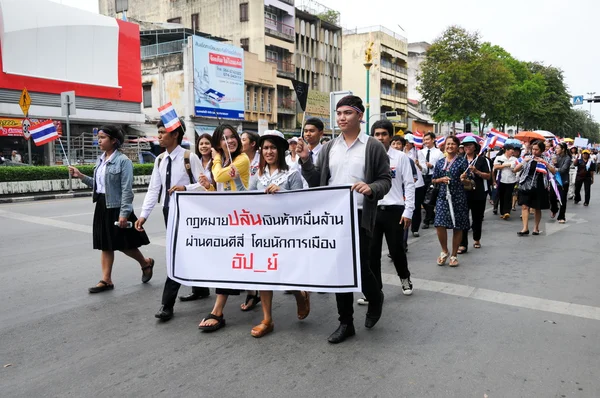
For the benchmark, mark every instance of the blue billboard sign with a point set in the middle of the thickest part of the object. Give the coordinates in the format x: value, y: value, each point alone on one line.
x: 218, y: 79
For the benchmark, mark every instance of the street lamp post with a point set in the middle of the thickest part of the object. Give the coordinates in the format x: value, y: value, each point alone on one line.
x: 591, y: 94
x: 368, y: 105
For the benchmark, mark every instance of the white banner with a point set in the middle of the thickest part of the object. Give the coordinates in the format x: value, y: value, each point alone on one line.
x: 294, y: 240
x: 581, y: 142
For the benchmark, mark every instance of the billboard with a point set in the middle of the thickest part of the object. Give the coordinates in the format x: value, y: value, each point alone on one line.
x: 13, y: 127
x: 218, y: 79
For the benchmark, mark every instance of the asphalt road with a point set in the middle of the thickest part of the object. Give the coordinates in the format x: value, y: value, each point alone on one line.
x: 518, y: 318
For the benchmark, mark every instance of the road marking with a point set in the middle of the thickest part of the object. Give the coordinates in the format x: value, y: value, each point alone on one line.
x: 493, y: 296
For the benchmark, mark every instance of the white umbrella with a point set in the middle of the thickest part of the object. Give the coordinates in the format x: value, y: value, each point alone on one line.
x: 547, y: 135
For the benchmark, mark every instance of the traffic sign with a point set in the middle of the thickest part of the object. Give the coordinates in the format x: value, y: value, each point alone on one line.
x: 95, y: 136
x: 67, y: 103
x: 25, y: 102
x: 26, y: 126
x: 578, y: 100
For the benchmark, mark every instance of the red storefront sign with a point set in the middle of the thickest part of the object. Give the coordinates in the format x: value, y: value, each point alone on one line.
x: 13, y: 127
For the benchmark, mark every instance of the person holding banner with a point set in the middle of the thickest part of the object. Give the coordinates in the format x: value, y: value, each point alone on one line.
x: 228, y: 161
x: 357, y: 159
x: 451, y: 209
x: 274, y: 175
x: 250, y: 148
x: 112, y: 186
x: 171, y: 173
x: 562, y: 162
x: 585, y: 176
x: 533, y: 186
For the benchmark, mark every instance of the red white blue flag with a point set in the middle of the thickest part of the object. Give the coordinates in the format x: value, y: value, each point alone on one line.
x: 541, y: 168
x: 43, y: 133
x: 499, y: 137
x: 418, y: 139
x: 439, y: 141
x: 169, y: 117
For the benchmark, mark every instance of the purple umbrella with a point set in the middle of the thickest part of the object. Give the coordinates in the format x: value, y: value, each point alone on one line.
x: 462, y: 136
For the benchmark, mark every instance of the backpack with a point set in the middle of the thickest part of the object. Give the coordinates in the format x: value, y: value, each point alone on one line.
x: 186, y: 162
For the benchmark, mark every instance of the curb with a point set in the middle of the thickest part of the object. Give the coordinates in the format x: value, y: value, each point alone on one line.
x: 20, y: 199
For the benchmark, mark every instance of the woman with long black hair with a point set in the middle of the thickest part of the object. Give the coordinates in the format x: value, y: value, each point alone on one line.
x: 112, y: 185
x: 562, y: 162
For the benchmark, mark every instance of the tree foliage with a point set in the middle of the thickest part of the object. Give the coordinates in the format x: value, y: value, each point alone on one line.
x: 330, y: 16
x: 463, y: 77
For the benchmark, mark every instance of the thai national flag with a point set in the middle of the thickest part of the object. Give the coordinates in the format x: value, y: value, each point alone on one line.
x: 488, y: 143
x: 541, y: 168
x: 169, y: 117
x: 418, y: 140
x: 556, y: 141
x: 439, y: 141
x: 44, y: 133
x: 500, y: 137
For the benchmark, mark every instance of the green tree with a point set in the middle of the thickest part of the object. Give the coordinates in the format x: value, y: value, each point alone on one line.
x: 580, y: 121
x: 330, y: 16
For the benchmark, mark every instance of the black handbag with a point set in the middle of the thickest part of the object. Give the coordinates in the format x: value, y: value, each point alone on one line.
x: 529, y: 184
x: 431, y: 194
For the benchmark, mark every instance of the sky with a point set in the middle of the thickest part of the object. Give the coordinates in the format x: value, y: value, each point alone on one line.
x: 556, y: 32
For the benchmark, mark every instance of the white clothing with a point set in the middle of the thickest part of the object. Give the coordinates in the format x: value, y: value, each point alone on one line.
x: 434, y: 155
x: 403, y: 185
x: 101, y: 173
x: 414, y: 155
x: 507, y: 175
x: 347, y: 163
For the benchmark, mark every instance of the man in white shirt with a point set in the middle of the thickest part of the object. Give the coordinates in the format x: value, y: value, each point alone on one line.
x: 431, y: 155
x: 505, y: 165
x: 394, y: 211
x: 15, y: 157
x: 357, y: 159
x: 313, y: 131
x: 420, y: 187
x: 169, y: 175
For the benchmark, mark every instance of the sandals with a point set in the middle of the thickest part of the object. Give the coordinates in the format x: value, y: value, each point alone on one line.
x: 304, y: 306
x: 442, y: 258
x: 213, y: 328
x: 263, y: 328
x: 255, y: 300
x: 561, y: 221
x: 103, y: 287
x: 147, y: 276
x: 477, y: 245
x: 453, y: 261
x: 462, y: 250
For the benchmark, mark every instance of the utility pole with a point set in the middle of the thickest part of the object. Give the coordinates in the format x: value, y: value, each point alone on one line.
x: 591, y: 99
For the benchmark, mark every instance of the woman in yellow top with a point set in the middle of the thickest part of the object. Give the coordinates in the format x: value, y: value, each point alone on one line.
x: 226, y: 145
x: 227, y: 152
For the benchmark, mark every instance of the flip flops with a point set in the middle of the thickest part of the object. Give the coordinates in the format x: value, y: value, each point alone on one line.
x: 213, y: 328
x: 442, y: 258
x: 255, y: 300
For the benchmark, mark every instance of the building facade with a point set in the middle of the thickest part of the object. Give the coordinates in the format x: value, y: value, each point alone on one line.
x: 388, y: 73
x: 263, y: 27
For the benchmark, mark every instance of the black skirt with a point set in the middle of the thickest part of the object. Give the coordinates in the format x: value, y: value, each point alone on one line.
x: 108, y: 236
x: 538, y: 199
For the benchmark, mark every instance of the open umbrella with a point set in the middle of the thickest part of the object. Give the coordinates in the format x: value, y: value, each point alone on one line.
x: 462, y: 136
x: 547, y: 135
x: 528, y: 136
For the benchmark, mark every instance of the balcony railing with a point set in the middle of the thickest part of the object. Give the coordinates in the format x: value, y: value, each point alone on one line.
x: 393, y: 93
x: 289, y: 2
x: 283, y: 67
x: 155, y: 50
x: 279, y: 29
x: 394, y: 67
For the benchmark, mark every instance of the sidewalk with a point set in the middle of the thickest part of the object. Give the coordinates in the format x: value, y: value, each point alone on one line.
x: 50, y: 196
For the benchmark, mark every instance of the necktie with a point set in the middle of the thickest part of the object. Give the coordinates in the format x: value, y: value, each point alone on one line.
x: 427, y: 158
x: 311, y: 155
x: 168, y: 182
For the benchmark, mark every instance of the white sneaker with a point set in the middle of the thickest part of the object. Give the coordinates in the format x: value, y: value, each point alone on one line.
x: 362, y: 301
x: 407, y: 287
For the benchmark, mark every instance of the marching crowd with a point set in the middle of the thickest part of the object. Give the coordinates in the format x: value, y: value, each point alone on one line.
x: 395, y: 182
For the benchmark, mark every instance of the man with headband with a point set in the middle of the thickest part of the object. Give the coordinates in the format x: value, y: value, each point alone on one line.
x: 357, y: 159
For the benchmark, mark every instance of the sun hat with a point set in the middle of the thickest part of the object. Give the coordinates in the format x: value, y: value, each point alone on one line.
x: 409, y: 138
x: 586, y: 151
x: 275, y: 136
x: 293, y: 140
x: 469, y: 140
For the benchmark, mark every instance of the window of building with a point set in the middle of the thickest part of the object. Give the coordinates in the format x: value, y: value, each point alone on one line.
x: 174, y: 20
x: 255, y: 102
x: 245, y: 43
x: 147, y: 95
x: 121, y: 5
x: 269, y: 103
x: 247, y: 100
x: 262, y: 101
x: 271, y: 16
x: 272, y: 56
x: 195, y: 20
x: 243, y: 12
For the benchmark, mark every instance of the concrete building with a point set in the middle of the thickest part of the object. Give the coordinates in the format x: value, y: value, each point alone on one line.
x: 417, y: 52
x: 166, y: 71
x: 388, y: 76
x: 263, y: 27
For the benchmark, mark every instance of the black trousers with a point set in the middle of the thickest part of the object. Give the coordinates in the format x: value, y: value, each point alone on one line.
x: 564, y: 190
x: 388, y: 225
x: 505, y: 192
x: 419, y: 198
x: 587, y: 186
x: 171, y: 287
x: 477, y: 208
x: 429, y: 209
x: 370, y: 288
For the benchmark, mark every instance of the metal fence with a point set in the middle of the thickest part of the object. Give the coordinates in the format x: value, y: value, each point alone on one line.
x: 155, y: 50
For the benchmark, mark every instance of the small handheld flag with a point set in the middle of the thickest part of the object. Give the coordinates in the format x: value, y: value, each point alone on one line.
x: 418, y: 139
x: 541, y: 168
x: 500, y: 137
x: 44, y: 133
x: 169, y: 117
x: 439, y: 141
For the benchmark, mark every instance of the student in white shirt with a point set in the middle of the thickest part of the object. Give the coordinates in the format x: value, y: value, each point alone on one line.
x: 313, y: 132
x: 169, y: 175
x: 431, y: 155
x: 420, y: 187
x: 394, y: 211
x: 505, y: 165
x: 250, y: 148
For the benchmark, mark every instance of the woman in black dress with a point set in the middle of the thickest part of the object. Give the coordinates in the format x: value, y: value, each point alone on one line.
x: 536, y: 168
x: 112, y: 186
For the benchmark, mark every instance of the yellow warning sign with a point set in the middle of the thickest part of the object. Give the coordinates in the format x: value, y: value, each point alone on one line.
x: 25, y: 102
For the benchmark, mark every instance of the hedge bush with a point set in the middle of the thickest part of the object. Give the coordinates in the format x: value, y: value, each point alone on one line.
x: 34, y: 173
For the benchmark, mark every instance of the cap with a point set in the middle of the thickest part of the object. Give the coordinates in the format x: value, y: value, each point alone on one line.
x: 585, y: 151
x: 469, y: 140
x: 409, y: 138
x: 293, y: 140
x: 276, y: 136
